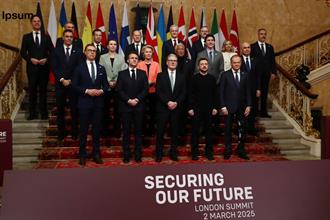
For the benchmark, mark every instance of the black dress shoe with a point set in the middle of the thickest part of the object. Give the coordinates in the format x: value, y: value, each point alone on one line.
x: 82, y: 161
x: 252, y: 132
x: 31, y: 117
x: 158, y: 159
x: 243, y: 156
x: 226, y: 156
x: 174, y: 157
x: 209, y: 156
x: 126, y: 159
x: 194, y: 157
x: 44, y: 117
x: 98, y: 160
x: 265, y: 116
x: 138, y: 159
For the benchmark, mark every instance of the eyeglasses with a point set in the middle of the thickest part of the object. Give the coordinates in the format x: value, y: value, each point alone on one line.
x: 91, y: 50
x: 172, y: 60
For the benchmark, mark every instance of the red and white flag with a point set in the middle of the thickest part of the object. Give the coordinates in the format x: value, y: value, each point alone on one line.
x: 234, y: 33
x: 151, y: 38
x: 182, y: 27
x: 52, y: 32
x: 192, y: 33
x: 100, y: 25
x: 223, y: 28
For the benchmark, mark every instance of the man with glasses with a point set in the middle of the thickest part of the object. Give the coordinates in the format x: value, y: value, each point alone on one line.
x: 64, y: 59
x: 90, y: 83
x: 171, y: 92
x: 132, y: 88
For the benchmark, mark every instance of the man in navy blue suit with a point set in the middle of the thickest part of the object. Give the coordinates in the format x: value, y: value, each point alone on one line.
x: 132, y: 87
x: 64, y: 59
x: 235, y: 102
x: 90, y: 83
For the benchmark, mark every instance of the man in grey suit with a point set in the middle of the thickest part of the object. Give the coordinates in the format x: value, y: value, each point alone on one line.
x: 214, y: 57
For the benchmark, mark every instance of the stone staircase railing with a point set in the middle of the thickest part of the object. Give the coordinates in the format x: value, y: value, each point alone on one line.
x: 11, y: 84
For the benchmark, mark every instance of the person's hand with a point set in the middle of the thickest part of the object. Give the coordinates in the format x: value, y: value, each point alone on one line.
x: 112, y: 84
x: 214, y: 111
x: 272, y: 76
x: 224, y: 111
x: 191, y: 112
x: 258, y: 93
x: 66, y: 82
x: 34, y: 61
x: 247, y: 111
x: 43, y: 61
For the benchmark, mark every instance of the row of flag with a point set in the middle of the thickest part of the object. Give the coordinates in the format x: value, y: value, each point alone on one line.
x: 154, y: 37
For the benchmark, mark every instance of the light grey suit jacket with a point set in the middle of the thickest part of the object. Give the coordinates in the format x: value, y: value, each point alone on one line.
x: 119, y: 64
x: 216, y: 68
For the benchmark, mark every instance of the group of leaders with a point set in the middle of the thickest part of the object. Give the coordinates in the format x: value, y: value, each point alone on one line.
x: 89, y: 80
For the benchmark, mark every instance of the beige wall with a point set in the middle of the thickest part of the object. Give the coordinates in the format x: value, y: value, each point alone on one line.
x: 287, y: 21
x: 323, y: 90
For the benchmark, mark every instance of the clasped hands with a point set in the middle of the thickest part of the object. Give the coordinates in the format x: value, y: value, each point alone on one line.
x: 40, y: 62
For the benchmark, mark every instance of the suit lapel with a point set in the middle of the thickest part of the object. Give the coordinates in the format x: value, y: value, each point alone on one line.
x: 168, y: 80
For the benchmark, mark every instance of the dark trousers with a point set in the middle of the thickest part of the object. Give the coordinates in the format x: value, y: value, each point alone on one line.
x: 264, y: 93
x: 171, y: 117
x: 134, y: 118
x: 202, y: 118
x: 62, y: 94
x: 251, y: 120
x: 37, y: 83
x: 149, y: 125
x: 241, y: 124
x: 89, y: 116
x: 111, y: 99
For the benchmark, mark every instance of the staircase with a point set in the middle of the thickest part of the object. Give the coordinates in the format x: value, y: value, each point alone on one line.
x: 285, y: 137
x: 28, y: 135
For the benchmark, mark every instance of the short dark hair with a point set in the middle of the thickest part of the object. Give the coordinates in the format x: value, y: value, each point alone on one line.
x: 34, y: 16
x: 132, y: 52
x: 261, y: 29
x: 231, y: 59
x: 209, y: 35
x: 89, y: 45
x: 96, y: 30
x: 201, y: 59
x: 66, y: 31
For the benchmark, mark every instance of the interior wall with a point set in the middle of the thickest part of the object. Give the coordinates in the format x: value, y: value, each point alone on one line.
x: 287, y: 21
x: 323, y: 90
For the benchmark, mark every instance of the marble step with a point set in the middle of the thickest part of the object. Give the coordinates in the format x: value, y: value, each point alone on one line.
x: 27, y: 135
x: 27, y: 146
x: 27, y: 141
x: 294, y: 149
x: 24, y: 165
x: 26, y: 152
x: 29, y: 159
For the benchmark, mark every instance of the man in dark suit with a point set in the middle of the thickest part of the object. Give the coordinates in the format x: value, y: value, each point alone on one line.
x: 266, y: 57
x: 36, y: 49
x: 90, y: 83
x: 97, y: 41
x: 169, y: 45
x: 199, y: 45
x: 132, y: 88
x: 171, y: 92
x: 77, y: 42
x: 250, y: 66
x: 203, y: 103
x: 64, y: 59
x: 136, y: 45
x: 235, y: 101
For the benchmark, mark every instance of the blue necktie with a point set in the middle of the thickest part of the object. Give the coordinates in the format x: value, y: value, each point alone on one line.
x: 247, y: 63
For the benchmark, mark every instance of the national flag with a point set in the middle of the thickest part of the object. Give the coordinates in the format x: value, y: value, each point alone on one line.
x: 223, y: 28
x: 74, y: 21
x: 215, y: 29
x: 234, y: 33
x: 138, y: 17
x: 192, y: 33
x: 62, y: 20
x: 42, y: 29
x: 182, y: 27
x: 113, y: 35
x: 150, y: 33
x: 125, y: 38
x: 100, y: 25
x: 87, y: 31
x: 203, y: 19
x: 169, y: 23
x: 161, y: 33
x: 52, y: 32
